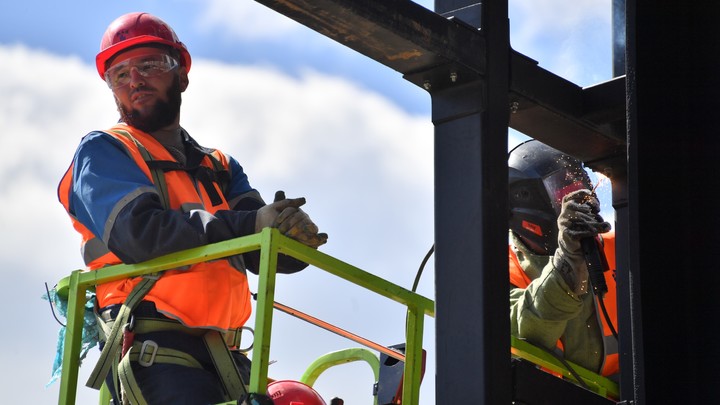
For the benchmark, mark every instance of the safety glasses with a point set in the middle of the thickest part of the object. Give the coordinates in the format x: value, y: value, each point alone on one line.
x: 146, y: 65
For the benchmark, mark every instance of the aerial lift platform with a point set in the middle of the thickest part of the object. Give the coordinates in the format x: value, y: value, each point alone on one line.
x: 402, y: 365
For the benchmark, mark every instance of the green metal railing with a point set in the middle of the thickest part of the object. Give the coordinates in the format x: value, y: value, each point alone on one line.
x: 593, y: 381
x: 270, y: 243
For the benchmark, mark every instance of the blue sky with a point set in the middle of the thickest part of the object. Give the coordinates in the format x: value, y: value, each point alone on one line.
x: 299, y: 111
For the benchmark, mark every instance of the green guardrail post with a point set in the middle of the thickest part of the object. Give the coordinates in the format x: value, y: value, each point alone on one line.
x: 412, y: 374
x: 264, y: 311
x: 73, y: 339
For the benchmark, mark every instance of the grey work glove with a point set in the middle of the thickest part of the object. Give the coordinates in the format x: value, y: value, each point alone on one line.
x: 285, y: 215
x: 579, y: 218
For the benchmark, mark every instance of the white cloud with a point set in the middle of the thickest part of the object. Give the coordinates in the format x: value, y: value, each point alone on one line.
x: 48, y: 104
x: 247, y: 20
x: 573, y: 38
x: 283, y: 125
x: 538, y: 18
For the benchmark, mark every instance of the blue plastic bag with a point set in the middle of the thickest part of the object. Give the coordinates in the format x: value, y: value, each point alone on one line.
x: 90, y: 331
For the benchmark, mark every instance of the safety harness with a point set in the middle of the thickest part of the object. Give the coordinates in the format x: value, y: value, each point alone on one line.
x: 121, y: 348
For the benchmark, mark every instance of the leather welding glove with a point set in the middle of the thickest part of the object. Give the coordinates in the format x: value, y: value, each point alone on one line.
x: 285, y: 215
x: 579, y: 218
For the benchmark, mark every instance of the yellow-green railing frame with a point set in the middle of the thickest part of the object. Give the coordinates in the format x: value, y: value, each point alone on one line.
x: 344, y: 356
x: 270, y: 243
x: 595, y: 382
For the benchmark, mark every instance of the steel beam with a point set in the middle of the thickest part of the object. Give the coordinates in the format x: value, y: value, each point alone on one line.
x: 441, y: 50
x: 673, y: 150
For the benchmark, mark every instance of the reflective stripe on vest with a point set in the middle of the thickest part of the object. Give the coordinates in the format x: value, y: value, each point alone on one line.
x: 193, y: 295
x: 94, y: 251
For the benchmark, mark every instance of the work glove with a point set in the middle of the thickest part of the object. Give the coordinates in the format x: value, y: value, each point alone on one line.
x: 285, y: 215
x: 579, y: 219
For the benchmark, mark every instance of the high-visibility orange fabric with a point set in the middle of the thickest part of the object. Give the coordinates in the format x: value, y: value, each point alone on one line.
x: 519, y: 279
x: 209, y: 295
x: 612, y: 361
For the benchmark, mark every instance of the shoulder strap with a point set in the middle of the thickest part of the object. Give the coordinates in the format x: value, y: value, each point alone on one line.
x: 157, y: 173
x: 221, y: 173
x: 113, y: 342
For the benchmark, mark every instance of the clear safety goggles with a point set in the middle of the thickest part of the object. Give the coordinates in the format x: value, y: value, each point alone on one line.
x: 146, y: 66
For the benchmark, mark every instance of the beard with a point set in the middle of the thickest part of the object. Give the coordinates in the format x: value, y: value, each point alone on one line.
x: 162, y: 114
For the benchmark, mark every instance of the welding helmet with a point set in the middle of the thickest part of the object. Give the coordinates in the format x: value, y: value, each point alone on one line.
x: 135, y: 29
x: 539, y: 176
x: 288, y: 392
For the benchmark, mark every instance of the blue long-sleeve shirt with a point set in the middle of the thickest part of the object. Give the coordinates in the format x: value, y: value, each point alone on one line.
x: 117, y: 202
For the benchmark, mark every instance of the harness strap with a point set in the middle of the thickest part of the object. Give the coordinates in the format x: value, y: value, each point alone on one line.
x: 131, y: 390
x: 205, y: 175
x: 232, y: 337
x: 113, y: 342
x: 146, y: 354
x: 157, y: 174
x: 225, y: 365
x: 220, y: 173
x: 109, y: 357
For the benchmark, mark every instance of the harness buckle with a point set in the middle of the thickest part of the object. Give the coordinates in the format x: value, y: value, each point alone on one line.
x: 128, y: 327
x: 233, y: 338
x: 153, y: 352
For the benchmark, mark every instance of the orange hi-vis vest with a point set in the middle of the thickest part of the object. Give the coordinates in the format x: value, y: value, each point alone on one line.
x: 611, y: 363
x: 206, y: 295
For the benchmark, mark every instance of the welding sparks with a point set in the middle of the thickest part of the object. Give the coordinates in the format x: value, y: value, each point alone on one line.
x: 601, y: 179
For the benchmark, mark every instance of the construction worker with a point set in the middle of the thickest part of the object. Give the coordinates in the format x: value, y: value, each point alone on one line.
x: 553, y: 304
x: 145, y: 188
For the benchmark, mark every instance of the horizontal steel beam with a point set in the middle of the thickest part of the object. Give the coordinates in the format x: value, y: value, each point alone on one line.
x: 588, y: 123
x: 435, y: 53
x: 399, y: 34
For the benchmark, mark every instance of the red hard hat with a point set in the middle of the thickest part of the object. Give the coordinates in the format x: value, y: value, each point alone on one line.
x: 135, y: 29
x: 288, y: 392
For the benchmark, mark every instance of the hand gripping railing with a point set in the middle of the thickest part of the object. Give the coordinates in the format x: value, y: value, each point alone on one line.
x: 270, y: 243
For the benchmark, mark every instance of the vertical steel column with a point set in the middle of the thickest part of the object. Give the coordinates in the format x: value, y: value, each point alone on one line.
x: 471, y: 121
x: 673, y: 148
x: 627, y: 299
x: 618, y: 37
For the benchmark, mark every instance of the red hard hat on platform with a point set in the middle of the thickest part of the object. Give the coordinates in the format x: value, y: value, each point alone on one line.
x: 288, y: 392
x: 137, y: 29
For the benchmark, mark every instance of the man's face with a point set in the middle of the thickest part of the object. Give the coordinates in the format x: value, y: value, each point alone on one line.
x: 147, y: 87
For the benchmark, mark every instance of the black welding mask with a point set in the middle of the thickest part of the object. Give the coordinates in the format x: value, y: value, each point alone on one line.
x: 539, y: 176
